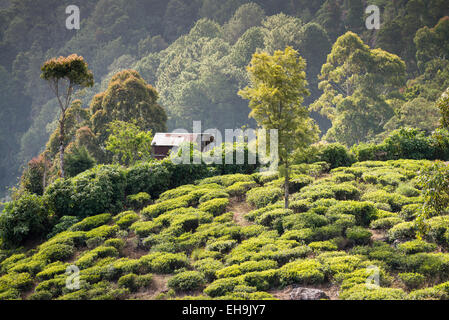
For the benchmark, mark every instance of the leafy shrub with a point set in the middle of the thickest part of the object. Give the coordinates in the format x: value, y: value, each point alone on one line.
x: 116, y: 243
x: 412, y: 280
x: 263, y: 196
x: 299, y: 206
x: 92, y: 222
x: 164, y: 262
x: 18, y: 281
x: 154, y: 210
x: 143, y: 228
x: 304, y: 220
x: 64, y: 224
x: 416, y: 246
x: 150, y: 177
x: 395, y: 200
x: 23, y: 219
x: 103, y: 232
x: 208, y: 267
x: 385, y: 223
x: 437, y: 228
x: 268, y: 217
x: 138, y: 201
x: 358, y: 235
x: 89, y: 257
x: 134, y: 282
x: 55, y: 252
x: 127, y: 220
x: 213, y: 194
x: 262, y: 280
x: 223, y: 286
x: 51, y: 270
x: 78, y: 160
x: 101, y: 189
x: 363, y: 292
x: 407, y: 190
x: 364, y: 212
x: 336, y: 155
x: 304, y: 272
x: 323, y: 246
x: 402, y: 231
x: 186, y: 281
x: 227, y: 180
x: 215, y: 206
x: 221, y: 246
x: 240, y: 188
x: 410, y: 211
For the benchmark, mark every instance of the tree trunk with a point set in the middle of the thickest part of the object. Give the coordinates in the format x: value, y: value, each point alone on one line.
x: 286, y: 185
x: 44, y: 178
x: 61, y: 144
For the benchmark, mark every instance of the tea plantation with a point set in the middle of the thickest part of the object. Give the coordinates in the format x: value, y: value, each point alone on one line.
x: 229, y: 237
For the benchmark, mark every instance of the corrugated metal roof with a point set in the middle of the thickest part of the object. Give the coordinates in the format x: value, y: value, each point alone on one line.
x: 176, y: 139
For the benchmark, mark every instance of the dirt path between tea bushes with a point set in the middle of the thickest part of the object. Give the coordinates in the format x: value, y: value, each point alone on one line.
x: 239, y: 208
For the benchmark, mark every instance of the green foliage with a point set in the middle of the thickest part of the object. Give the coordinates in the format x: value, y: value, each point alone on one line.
x: 435, y: 183
x: 220, y: 287
x: 403, y: 231
x: 364, y: 212
x: 98, y: 190
x: 336, y: 155
x: 128, y: 143
x: 276, y: 106
x: 134, y: 282
x: 91, y: 222
x: 214, y: 206
x: 125, y: 221
x: 358, y: 235
x: 416, y: 246
x: 23, y: 219
x: 78, y: 160
x: 89, y: 258
x: 186, y: 281
x: 162, y: 262
x: 304, y: 272
x: 263, y: 196
x: 362, y: 292
x: 127, y: 98
x: 138, y: 201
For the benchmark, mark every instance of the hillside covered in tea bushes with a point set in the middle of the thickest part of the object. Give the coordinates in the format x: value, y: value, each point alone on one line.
x: 228, y: 236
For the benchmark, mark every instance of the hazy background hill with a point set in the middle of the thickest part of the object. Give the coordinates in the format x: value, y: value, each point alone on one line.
x: 193, y: 51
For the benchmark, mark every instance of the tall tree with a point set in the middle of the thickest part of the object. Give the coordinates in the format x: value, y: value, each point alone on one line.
x: 128, y: 98
x: 356, y: 81
x: 64, y: 75
x: 276, y: 93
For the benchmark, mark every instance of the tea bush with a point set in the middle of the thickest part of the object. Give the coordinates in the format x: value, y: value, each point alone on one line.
x: 134, y: 282
x: 215, y: 206
x: 164, y: 262
x: 23, y: 219
x: 127, y: 220
x: 186, y: 281
x: 92, y: 222
x: 304, y: 272
x: 416, y: 246
x: 358, y: 235
x: 363, y: 212
x: 214, y: 194
x: 362, y: 292
x: 412, y: 280
x: 263, y: 196
x: 402, y: 231
x: 138, y: 201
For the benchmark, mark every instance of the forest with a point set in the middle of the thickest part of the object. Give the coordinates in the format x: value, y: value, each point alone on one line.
x: 363, y: 179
